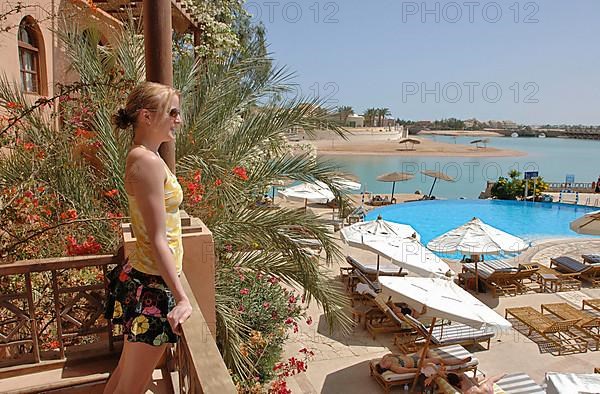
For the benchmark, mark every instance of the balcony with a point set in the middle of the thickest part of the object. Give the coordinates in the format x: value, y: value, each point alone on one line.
x: 70, y: 348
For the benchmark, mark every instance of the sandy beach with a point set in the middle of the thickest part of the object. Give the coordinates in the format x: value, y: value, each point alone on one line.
x: 387, y: 143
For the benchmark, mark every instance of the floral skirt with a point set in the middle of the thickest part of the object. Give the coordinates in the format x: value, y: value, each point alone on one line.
x: 140, y: 303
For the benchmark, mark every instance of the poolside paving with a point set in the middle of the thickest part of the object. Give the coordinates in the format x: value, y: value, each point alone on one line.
x: 340, y: 364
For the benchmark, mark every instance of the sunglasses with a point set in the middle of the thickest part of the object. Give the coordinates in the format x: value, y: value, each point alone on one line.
x: 173, y: 113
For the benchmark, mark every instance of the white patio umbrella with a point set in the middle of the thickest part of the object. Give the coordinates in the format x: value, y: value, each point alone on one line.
x: 363, y: 234
x: 413, y: 256
x: 587, y: 224
x: 308, y: 192
x: 476, y: 238
x: 443, y: 299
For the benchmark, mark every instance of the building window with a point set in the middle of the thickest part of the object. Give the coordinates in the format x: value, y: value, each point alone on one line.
x: 29, y: 55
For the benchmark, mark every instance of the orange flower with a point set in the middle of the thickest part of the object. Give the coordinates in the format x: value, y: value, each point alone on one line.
x: 69, y: 214
x: 241, y: 173
x: 111, y: 193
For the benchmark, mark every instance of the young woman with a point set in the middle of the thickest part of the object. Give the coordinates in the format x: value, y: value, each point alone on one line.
x: 145, y: 295
x: 406, y: 363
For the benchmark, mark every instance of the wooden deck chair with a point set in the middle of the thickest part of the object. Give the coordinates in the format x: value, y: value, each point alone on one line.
x: 388, y: 379
x: 558, y: 281
x: 591, y: 258
x: 369, y: 270
x: 588, y: 324
x: 592, y: 303
x: 498, y: 276
x: 556, y: 332
x: 592, y: 275
x: 524, y: 279
x: 390, y: 323
x: 442, y: 335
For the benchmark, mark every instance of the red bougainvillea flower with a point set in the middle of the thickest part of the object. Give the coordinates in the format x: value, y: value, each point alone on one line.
x: 197, y: 176
x: 309, y: 320
x: 244, y: 291
x: 90, y: 246
x: 292, y: 299
x: 28, y: 145
x: 266, y: 305
x: 69, y: 214
x: 13, y: 105
x: 196, y: 198
x: 54, y: 345
x: 79, y: 132
x: 229, y: 248
x: 111, y: 193
x: 218, y: 182
x: 241, y: 173
x: 273, y: 280
x: 289, y: 320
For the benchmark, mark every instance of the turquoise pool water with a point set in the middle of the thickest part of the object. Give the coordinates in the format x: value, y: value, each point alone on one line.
x: 529, y: 221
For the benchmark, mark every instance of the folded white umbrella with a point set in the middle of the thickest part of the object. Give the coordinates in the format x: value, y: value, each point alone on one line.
x: 444, y: 300
x: 411, y: 255
x: 587, y: 224
x: 308, y: 192
x: 476, y: 237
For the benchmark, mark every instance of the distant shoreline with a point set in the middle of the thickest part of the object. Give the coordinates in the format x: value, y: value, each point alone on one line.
x: 387, y: 144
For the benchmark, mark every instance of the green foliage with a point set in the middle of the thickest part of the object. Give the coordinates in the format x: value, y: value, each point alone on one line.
x: 230, y: 148
x: 513, y: 187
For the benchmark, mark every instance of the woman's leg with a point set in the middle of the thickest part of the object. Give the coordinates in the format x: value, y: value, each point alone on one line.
x: 135, y: 368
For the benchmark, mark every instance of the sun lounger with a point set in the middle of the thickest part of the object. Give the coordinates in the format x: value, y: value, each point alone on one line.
x: 369, y: 270
x: 388, y: 323
x: 552, y: 280
x: 442, y: 335
x: 588, y: 272
x: 519, y: 383
x: 389, y: 379
x: 591, y: 258
x: 558, y: 333
x: 592, y: 303
x: 499, y: 276
x: 588, y: 324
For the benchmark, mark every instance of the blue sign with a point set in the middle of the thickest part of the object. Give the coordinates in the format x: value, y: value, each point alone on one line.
x: 531, y: 174
x: 570, y: 179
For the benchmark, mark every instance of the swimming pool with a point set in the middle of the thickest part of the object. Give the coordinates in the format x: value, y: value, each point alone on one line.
x: 530, y: 221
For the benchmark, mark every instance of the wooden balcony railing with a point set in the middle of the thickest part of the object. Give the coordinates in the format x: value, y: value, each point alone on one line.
x: 51, y: 310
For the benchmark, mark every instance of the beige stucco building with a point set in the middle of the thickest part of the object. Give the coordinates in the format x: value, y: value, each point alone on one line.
x: 29, y: 51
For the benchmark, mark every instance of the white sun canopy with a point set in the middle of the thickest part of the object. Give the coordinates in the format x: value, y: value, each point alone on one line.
x: 411, y: 255
x: 476, y: 237
x: 308, y: 192
x: 443, y: 299
x: 360, y: 233
x: 587, y: 224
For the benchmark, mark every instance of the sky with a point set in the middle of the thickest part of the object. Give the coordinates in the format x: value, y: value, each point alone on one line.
x: 533, y: 62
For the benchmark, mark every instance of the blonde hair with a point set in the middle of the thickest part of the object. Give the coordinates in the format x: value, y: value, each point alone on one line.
x: 149, y: 95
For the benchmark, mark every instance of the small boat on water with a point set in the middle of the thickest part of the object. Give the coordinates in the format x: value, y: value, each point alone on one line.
x: 541, y: 135
x: 514, y: 135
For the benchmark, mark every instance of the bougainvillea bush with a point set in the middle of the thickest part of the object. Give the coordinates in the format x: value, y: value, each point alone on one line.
x: 64, y: 166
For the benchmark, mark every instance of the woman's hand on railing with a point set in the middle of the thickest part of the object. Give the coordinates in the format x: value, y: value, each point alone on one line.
x: 179, y: 315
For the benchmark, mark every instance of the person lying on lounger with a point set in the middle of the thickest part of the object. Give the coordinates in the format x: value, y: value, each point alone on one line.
x: 402, y: 309
x: 469, y: 385
x: 406, y: 363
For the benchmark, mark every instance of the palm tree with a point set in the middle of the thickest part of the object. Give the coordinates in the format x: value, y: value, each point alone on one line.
x: 381, y: 114
x: 370, y: 114
x: 231, y: 122
x: 344, y: 112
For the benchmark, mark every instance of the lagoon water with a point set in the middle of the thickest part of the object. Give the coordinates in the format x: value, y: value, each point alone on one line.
x: 553, y: 158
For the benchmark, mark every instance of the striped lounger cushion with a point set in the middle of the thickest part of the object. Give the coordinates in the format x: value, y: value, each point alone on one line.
x: 457, y: 332
x: 446, y: 352
x: 519, y: 383
x: 487, y: 268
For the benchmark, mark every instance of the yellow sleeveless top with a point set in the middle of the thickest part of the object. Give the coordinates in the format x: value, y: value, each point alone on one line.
x: 142, y: 258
